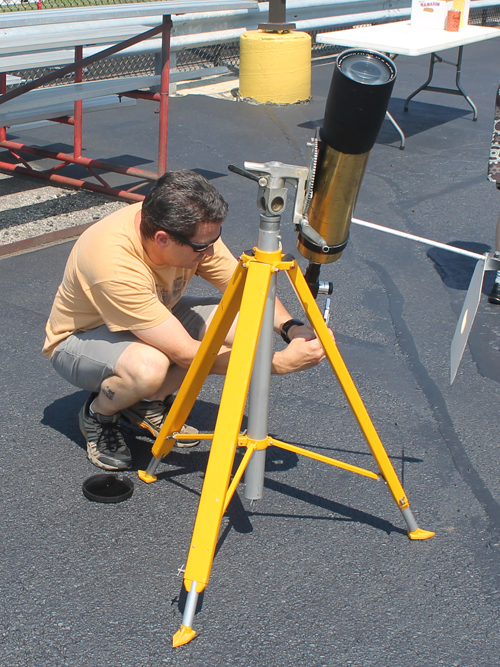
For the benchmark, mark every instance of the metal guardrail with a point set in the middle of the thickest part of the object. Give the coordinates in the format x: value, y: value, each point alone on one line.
x: 312, y: 16
x: 208, y: 40
x: 28, y: 5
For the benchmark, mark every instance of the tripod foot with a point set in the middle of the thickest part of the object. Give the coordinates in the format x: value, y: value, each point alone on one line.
x: 420, y: 534
x: 183, y: 636
x: 146, y: 477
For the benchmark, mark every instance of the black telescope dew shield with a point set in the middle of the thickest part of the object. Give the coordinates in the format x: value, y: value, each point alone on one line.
x: 359, y: 95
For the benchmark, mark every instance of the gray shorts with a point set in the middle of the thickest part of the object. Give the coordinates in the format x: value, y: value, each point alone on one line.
x: 87, y: 358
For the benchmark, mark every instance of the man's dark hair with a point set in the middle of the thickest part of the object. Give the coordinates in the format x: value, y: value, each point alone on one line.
x: 178, y: 201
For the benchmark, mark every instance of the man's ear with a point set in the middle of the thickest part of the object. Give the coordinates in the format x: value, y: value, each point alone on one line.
x: 162, y: 239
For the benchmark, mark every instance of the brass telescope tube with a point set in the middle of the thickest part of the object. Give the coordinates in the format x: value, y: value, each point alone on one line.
x: 360, y: 90
x: 335, y: 194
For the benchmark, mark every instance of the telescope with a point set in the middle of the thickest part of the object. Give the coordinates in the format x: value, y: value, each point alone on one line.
x: 327, y: 191
x: 360, y: 90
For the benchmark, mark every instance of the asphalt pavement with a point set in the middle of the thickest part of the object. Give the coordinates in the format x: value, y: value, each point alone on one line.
x: 320, y: 572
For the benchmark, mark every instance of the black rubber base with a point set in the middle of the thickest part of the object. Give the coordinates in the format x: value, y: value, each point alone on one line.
x: 107, y: 488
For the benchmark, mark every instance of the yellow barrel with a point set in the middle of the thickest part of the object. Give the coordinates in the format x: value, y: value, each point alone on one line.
x: 275, y: 67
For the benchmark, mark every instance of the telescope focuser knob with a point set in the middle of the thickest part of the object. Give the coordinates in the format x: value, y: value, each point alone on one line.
x: 325, y: 287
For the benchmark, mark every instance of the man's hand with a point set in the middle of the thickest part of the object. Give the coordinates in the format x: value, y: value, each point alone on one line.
x: 304, y: 351
x: 305, y: 331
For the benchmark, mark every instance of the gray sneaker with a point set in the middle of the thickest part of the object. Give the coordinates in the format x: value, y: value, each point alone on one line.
x: 151, y: 415
x: 106, y: 447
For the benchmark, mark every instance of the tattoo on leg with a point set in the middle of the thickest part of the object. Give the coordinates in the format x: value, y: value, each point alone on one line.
x: 108, y: 393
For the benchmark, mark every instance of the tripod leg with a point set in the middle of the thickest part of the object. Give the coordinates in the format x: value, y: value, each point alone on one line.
x: 186, y: 633
x: 357, y: 405
x: 198, y: 371
x: 220, y: 463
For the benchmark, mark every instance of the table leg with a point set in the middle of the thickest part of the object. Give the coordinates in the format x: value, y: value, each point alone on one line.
x: 437, y: 89
x: 457, y: 81
x: 434, y: 58
x: 399, y: 130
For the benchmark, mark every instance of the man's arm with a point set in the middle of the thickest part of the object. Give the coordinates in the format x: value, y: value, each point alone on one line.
x: 304, y: 349
x: 281, y: 315
x: 174, y: 341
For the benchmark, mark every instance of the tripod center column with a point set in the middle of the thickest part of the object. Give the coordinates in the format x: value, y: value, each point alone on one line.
x: 258, y: 397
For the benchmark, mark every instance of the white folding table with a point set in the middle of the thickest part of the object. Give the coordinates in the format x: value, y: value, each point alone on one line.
x: 401, y: 38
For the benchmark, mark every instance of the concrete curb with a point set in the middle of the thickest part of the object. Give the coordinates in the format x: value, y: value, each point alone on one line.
x: 37, y: 242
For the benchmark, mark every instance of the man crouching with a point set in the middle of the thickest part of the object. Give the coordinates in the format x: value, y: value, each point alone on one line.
x: 120, y: 326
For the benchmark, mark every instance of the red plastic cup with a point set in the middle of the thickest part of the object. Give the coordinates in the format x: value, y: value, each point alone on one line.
x: 453, y: 21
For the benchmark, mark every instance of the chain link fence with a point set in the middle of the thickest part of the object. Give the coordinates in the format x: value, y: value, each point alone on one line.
x: 486, y: 16
x: 111, y: 68
x: 24, y: 5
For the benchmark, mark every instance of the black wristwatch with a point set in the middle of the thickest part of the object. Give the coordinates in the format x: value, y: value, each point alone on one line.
x: 285, y: 328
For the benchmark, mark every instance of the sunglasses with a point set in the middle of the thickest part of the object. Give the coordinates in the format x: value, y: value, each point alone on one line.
x: 197, y: 247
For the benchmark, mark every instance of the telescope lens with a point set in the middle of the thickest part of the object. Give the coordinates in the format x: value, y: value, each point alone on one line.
x: 365, y: 68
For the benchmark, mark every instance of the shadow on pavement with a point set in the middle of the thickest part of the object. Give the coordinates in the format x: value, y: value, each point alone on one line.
x: 456, y: 270
x: 420, y: 117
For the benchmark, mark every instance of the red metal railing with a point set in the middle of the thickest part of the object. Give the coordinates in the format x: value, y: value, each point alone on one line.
x: 76, y: 120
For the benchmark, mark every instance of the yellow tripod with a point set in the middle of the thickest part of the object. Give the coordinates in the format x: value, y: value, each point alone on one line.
x: 252, y: 293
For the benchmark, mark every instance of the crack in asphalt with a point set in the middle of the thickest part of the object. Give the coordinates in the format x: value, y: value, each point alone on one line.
x: 438, y: 407
x: 291, y: 140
